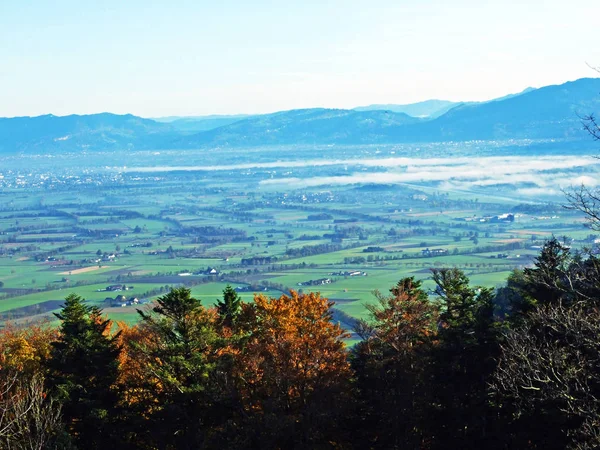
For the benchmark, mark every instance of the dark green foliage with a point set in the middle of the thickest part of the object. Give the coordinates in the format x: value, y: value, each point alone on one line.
x: 448, y: 374
x: 82, y: 373
x: 512, y: 301
x: 548, y: 282
x: 229, y: 307
x: 463, y: 362
x: 559, y: 277
x: 181, y: 337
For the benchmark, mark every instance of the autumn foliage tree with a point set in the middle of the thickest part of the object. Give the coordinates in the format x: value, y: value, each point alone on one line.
x: 392, y: 366
x: 292, y: 371
x: 29, y: 419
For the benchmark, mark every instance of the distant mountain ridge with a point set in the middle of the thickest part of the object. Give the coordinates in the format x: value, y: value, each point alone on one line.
x: 102, y: 131
x: 551, y: 112
x: 431, y: 108
x: 198, y: 124
x: 427, y: 108
x: 318, y: 125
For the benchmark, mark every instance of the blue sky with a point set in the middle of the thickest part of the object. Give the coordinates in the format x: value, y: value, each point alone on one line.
x: 160, y: 58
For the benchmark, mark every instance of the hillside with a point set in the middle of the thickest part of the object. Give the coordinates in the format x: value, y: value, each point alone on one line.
x: 304, y: 126
x: 431, y: 108
x: 427, y: 108
x: 551, y: 112
x: 197, y: 124
x: 103, y: 131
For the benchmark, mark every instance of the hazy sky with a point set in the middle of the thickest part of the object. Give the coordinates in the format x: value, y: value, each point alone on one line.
x: 159, y: 58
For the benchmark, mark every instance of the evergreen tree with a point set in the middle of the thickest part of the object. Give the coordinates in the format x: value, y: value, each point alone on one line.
x: 83, y: 370
x: 463, y: 362
x: 229, y: 307
x: 548, y: 283
x: 179, y: 359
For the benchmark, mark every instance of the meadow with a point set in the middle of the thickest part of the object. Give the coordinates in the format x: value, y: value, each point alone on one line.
x: 342, y: 221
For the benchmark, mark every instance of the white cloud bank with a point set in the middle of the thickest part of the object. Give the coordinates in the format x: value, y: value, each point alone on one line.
x: 546, y: 175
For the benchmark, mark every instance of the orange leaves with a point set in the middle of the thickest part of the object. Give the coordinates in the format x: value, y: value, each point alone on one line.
x: 293, y: 348
x: 405, y: 318
x: 26, y: 349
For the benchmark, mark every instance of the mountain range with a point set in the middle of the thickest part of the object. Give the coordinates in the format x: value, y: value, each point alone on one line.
x: 551, y: 112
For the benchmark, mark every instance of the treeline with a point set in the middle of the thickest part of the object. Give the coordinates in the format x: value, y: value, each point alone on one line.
x: 515, y: 368
x: 310, y: 250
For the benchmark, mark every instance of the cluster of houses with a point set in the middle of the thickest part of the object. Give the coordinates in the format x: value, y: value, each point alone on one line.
x: 210, y: 272
x: 122, y: 301
x: 500, y: 218
x: 352, y: 273
x: 107, y: 257
x: 115, y: 288
x: 319, y: 282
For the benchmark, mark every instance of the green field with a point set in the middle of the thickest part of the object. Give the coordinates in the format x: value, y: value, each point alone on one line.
x: 156, y: 231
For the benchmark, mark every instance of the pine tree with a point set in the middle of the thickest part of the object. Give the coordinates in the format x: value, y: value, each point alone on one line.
x: 229, y: 307
x: 548, y: 282
x: 179, y: 358
x: 83, y: 370
x: 463, y: 361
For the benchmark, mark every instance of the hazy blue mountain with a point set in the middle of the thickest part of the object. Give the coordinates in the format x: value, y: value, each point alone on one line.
x: 303, y: 126
x: 428, y: 108
x: 552, y: 112
x: 103, y: 131
x: 431, y: 108
x: 196, y: 124
x: 506, y: 97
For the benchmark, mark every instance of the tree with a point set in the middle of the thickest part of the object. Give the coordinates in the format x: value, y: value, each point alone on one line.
x: 82, y: 372
x: 463, y: 362
x: 558, y: 277
x: 29, y: 419
x: 583, y: 198
x: 549, y: 281
x: 392, y: 366
x: 292, y: 371
x: 26, y: 350
x: 229, y: 307
x: 177, y: 355
x: 548, y: 378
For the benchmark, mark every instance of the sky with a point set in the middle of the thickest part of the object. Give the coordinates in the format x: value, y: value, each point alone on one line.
x: 186, y: 58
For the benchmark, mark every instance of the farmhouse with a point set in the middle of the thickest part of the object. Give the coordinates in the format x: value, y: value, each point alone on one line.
x: 319, y: 282
x: 116, y: 288
x: 353, y: 273
x: 121, y: 301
